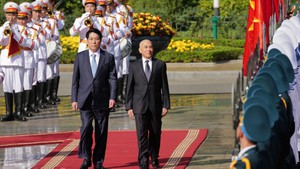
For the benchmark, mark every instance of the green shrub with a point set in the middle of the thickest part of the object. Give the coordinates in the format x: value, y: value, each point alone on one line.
x: 68, y: 57
x: 219, y: 53
x: 225, y: 49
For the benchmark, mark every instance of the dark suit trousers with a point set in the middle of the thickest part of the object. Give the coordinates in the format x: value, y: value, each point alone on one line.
x: 86, y: 131
x: 148, y: 128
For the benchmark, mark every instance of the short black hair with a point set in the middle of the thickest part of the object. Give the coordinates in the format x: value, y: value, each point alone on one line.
x: 93, y: 30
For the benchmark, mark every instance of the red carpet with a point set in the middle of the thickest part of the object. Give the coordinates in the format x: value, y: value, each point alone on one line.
x: 177, y: 149
x: 33, y: 139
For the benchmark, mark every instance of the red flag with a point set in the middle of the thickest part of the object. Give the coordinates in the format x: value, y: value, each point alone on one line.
x: 13, y: 47
x: 257, y: 33
x: 249, y: 36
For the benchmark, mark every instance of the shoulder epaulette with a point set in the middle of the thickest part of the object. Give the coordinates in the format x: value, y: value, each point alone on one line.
x: 284, y: 102
x: 232, y: 165
x: 247, y: 162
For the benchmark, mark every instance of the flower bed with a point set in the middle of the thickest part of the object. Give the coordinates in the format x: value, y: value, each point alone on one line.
x: 146, y: 24
x: 188, y: 45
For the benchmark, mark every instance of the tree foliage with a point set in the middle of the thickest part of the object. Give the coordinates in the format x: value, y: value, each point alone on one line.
x: 196, y: 15
x: 193, y: 15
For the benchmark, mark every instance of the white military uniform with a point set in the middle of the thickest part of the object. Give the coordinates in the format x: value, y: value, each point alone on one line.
x: 13, y: 65
x: 44, y: 32
x: 119, y: 30
x: 53, y: 37
x: 60, y: 20
x: 35, y: 37
x: 127, y: 13
x: 42, y: 56
x: 29, y: 62
x: 80, y: 28
x: 41, y: 38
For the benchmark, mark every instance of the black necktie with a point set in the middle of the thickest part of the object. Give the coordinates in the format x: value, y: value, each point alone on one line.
x: 147, y: 70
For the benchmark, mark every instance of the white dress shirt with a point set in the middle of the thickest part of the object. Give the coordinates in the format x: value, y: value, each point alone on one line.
x: 144, y: 63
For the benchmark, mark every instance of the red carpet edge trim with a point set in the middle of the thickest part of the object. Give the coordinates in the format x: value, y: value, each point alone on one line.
x: 61, y: 155
x: 181, y: 149
x: 31, y: 143
x: 25, y: 139
x: 41, y: 134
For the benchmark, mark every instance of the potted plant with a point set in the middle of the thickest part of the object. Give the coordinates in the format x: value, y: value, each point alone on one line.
x: 148, y: 26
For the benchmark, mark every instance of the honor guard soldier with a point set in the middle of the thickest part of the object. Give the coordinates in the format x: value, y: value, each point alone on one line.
x: 107, y: 42
x: 254, y: 127
x: 60, y: 20
x: 85, y: 22
x: 110, y: 25
x: 44, y: 27
x: 282, y: 78
x: 290, y: 65
x: 29, y: 62
x: 99, y: 11
x: 34, y: 15
x: 59, y: 15
x: 12, y: 62
x: 54, y: 37
x: 124, y: 32
x: 126, y: 11
x: 271, y: 84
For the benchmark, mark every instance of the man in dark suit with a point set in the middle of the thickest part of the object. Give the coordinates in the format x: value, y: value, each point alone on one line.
x: 94, y: 89
x: 147, y: 101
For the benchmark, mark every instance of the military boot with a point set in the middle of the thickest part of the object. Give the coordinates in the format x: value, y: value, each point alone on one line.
x: 18, y: 107
x: 32, y: 100
x: 47, y: 97
x: 25, y: 102
x: 9, y: 107
x: 55, y: 89
x: 40, y: 95
x: 119, y: 92
x: 124, y: 87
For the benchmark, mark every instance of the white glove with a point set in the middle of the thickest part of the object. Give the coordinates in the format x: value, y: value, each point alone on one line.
x: 14, y: 29
x: 16, y: 32
x: 84, y: 16
x: 6, y: 24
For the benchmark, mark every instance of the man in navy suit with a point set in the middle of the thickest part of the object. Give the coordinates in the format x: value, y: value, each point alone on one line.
x: 94, y: 89
x: 147, y: 101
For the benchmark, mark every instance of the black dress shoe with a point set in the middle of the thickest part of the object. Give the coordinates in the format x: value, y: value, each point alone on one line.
x: 98, y: 166
x: 86, y: 164
x: 144, y: 164
x: 155, y: 163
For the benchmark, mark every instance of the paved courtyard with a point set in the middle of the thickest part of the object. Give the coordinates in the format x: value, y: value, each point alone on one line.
x: 200, y: 98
